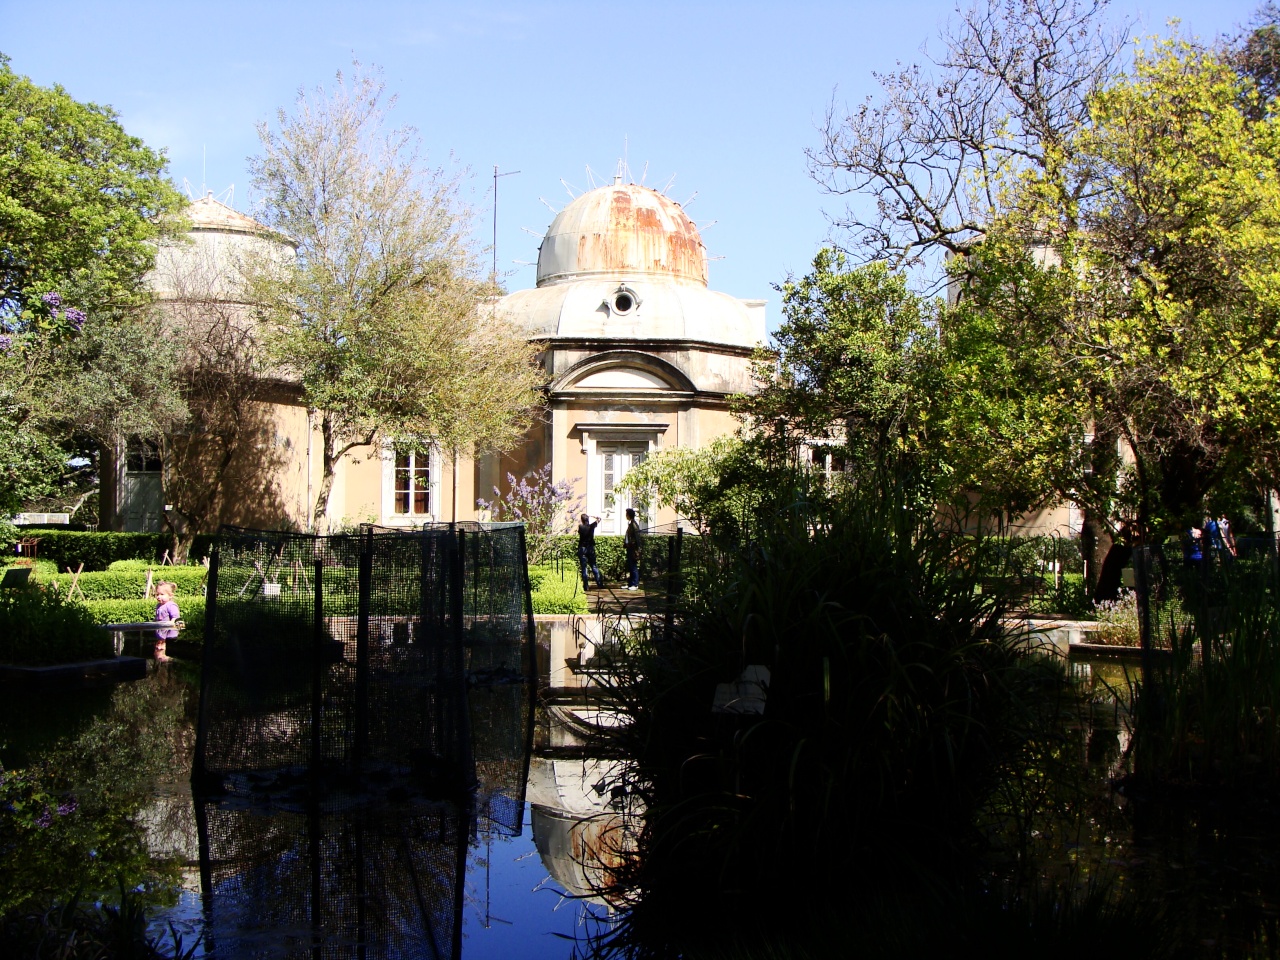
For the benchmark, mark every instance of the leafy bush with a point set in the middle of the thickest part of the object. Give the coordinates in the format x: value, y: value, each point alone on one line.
x: 37, y: 628
x: 610, y: 555
x: 1117, y: 620
x: 898, y: 721
x: 1208, y: 715
x: 1067, y: 598
x: 557, y: 592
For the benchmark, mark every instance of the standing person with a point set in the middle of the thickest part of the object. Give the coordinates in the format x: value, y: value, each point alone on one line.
x: 587, y: 551
x: 631, y: 544
x: 1215, y: 541
x: 1228, y: 540
x: 1193, y: 547
x: 166, y: 609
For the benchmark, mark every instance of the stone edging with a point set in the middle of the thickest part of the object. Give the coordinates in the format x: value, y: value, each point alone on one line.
x: 75, y: 676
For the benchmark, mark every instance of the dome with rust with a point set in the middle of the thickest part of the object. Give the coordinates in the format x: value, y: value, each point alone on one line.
x: 622, y: 229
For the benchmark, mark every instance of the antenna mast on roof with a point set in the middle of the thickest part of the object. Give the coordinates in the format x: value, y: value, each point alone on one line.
x: 496, y: 175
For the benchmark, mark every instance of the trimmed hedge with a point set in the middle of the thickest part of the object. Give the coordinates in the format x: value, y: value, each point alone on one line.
x: 98, y: 550
x: 37, y: 628
x: 610, y: 556
x: 555, y: 593
x: 129, y: 584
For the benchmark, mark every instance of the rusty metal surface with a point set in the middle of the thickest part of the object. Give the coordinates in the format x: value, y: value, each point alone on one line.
x: 622, y: 229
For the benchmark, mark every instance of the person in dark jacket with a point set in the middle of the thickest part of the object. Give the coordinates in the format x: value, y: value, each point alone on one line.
x: 587, y: 551
x: 631, y: 544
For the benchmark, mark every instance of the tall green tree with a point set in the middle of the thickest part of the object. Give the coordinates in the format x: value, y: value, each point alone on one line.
x: 851, y: 362
x: 380, y: 318
x: 1147, y: 305
x: 1110, y: 243
x: 81, y: 360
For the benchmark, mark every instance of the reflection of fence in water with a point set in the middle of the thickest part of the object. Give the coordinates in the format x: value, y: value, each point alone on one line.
x: 363, y: 699
x: 385, y: 880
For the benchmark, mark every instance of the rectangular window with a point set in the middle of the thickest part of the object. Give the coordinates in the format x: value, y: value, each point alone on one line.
x: 142, y: 456
x: 413, y: 483
x: 608, y: 480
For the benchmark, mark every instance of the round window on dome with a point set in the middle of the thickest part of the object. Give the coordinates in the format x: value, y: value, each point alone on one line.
x: 623, y: 300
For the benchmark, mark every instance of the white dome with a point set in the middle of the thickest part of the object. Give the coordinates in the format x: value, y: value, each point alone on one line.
x: 208, y: 261
x: 624, y: 262
x: 622, y: 229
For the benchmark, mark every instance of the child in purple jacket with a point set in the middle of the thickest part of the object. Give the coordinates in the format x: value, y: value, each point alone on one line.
x: 166, y: 609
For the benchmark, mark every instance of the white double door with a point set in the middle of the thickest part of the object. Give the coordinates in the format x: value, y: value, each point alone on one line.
x: 613, y: 459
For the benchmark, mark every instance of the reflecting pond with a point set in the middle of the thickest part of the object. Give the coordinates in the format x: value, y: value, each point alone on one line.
x: 105, y: 797
x: 106, y: 790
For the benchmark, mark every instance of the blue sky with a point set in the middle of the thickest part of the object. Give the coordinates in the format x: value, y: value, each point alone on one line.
x: 724, y: 97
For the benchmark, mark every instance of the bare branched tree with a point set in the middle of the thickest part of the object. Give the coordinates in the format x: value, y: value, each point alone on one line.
x: 226, y: 442
x: 927, y: 166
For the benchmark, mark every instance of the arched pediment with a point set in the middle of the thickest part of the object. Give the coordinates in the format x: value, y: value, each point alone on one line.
x: 620, y: 378
x: 628, y: 370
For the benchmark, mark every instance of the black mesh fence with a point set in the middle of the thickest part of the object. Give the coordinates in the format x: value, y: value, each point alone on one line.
x: 396, y: 660
x: 1191, y: 594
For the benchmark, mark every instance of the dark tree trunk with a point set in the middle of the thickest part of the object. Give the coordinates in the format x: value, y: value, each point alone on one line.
x: 1109, y: 581
x: 1095, y: 544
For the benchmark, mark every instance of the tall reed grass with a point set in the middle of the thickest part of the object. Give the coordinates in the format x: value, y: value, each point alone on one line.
x: 908, y: 743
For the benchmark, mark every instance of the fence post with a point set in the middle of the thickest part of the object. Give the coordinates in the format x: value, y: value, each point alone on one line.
x: 317, y: 668
x: 461, y: 732
x: 1152, y: 697
x: 199, y: 772
x: 530, y: 660
x: 365, y: 590
x: 674, y: 551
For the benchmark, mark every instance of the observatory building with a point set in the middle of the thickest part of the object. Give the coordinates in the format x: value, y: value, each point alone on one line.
x: 640, y: 355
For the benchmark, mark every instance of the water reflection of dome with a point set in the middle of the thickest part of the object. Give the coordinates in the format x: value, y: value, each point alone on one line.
x: 578, y: 826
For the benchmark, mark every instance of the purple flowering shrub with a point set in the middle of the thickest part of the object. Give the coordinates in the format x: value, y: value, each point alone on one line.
x: 546, y: 509
x: 45, y: 319
x: 25, y: 802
